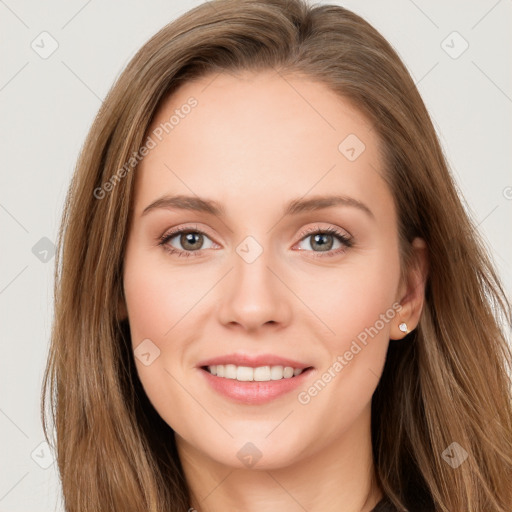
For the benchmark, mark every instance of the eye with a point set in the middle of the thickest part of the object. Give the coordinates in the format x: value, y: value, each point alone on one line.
x: 323, y: 239
x: 190, y: 239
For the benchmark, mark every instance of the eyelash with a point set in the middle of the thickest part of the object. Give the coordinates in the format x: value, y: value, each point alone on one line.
x: 344, y: 239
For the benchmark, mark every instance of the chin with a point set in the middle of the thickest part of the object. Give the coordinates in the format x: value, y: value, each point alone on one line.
x: 258, y: 452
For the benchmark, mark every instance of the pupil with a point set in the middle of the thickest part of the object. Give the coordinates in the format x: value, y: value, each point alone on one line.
x: 189, y: 240
x: 324, y: 246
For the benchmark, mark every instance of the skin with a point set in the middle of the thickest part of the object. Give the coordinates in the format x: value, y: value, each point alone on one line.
x: 254, y: 142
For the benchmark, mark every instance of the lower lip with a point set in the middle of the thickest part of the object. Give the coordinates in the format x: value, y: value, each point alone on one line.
x: 254, y: 392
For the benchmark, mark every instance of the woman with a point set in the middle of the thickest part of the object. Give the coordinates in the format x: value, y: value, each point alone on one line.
x: 205, y: 353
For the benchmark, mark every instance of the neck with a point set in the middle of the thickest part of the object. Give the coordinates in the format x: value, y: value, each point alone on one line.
x: 337, y: 478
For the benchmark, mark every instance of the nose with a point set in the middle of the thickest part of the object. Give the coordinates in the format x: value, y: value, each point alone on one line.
x: 254, y: 295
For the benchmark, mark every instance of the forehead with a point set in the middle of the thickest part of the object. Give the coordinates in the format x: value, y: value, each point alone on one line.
x: 258, y: 137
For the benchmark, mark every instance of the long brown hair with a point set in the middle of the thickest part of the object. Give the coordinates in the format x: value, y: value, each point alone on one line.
x: 448, y: 381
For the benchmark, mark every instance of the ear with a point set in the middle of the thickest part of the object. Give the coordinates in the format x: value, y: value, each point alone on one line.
x: 411, y: 293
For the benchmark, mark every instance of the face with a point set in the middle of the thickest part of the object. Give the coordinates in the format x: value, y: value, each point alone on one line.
x: 256, y: 276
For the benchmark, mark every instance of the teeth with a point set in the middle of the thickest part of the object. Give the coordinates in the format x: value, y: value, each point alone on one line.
x: 230, y: 371
x: 262, y: 373
x: 287, y: 372
x: 276, y: 372
x: 259, y: 374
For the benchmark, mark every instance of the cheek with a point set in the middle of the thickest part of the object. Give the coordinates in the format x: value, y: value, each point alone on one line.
x: 353, y: 297
x: 156, y: 303
x: 156, y: 300
x: 148, y: 305
x: 359, y: 307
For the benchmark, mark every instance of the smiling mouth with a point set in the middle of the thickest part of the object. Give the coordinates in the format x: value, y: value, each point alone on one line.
x: 254, y: 374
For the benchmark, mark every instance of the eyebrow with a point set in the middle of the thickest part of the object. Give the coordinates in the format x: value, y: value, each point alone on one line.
x: 294, y: 207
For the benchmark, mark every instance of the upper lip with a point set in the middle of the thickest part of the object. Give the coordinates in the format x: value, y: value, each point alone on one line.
x: 253, y: 361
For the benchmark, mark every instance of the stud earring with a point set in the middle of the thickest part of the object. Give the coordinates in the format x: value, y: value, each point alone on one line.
x: 403, y: 327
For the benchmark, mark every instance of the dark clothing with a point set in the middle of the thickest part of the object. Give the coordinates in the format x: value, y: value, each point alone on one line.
x: 384, y: 506
x: 418, y: 503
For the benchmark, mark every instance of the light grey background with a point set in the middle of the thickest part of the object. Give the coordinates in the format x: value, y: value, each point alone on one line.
x: 48, y: 104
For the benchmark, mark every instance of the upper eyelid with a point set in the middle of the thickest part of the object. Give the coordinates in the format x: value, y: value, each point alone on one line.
x: 308, y: 231
x: 172, y: 232
x: 317, y: 228
x: 331, y: 230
